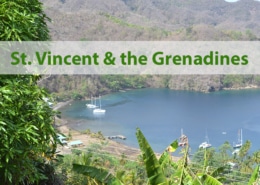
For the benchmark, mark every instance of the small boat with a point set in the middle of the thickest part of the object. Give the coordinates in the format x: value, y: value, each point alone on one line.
x: 206, y: 143
x: 99, y: 110
x: 183, y: 140
x: 239, y: 144
x: 92, y: 105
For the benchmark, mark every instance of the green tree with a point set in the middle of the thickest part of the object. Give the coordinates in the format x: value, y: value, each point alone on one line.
x: 28, y: 138
x: 256, y: 157
x: 232, y: 81
x: 23, y: 20
x: 223, y: 155
x: 224, y: 151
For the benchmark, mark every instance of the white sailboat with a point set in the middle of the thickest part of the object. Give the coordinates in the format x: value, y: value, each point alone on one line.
x: 92, y: 105
x: 239, y: 144
x: 99, y: 110
x: 206, y: 143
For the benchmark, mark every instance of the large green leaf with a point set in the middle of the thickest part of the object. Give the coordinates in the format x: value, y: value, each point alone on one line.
x: 153, y: 168
x: 209, y: 180
x: 181, y: 172
x: 218, y: 173
x: 254, y: 176
x: 165, y: 159
x: 98, y: 174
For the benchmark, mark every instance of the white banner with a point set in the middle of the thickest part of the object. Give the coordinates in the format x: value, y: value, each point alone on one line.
x: 130, y: 57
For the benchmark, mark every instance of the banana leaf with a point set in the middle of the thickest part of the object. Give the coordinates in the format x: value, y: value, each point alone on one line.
x: 98, y: 174
x: 152, y: 165
x: 209, y: 180
x: 254, y: 176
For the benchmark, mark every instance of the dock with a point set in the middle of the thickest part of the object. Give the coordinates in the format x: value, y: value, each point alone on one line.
x: 117, y: 137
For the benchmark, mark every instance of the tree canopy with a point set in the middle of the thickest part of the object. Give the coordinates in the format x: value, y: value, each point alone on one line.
x: 23, y: 20
x: 28, y: 138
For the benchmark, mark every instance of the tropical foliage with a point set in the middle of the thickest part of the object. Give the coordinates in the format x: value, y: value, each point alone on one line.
x: 28, y: 138
x: 165, y: 170
x: 181, y: 175
x: 88, y: 166
x: 23, y: 20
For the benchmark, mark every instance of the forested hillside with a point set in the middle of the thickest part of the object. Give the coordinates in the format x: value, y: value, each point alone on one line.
x: 153, y: 20
x: 65, y: 87
x: 94, y: 20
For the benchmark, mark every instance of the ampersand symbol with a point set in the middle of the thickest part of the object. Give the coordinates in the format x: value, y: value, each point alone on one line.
x: 109, y: 59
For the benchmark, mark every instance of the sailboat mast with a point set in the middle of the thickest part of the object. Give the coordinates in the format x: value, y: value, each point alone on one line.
x: 206, y: 136
x: 241, y: 137
x: 100, y: 102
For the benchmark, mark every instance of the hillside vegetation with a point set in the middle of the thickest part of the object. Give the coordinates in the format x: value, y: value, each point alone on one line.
x: 30, y: 143
x: 153, y: 20
x: 65, y: 87
x: 170, y: 20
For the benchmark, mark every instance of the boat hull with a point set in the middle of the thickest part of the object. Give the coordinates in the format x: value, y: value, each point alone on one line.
x: 91, y: 106
x: 99, y: 111
x: 205, y: 145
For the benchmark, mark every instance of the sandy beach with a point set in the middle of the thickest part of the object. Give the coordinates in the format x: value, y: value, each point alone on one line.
x: 107, y: 145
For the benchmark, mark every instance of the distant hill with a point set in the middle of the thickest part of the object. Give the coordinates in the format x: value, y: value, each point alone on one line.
x: 153, y: 19
x: 95, y: 20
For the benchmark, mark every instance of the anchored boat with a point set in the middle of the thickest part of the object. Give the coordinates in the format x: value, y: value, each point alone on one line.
x: 206, y: 143
x: 99, y: 110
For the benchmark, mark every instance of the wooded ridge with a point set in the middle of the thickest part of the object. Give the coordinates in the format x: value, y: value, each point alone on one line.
x: 136, y: 20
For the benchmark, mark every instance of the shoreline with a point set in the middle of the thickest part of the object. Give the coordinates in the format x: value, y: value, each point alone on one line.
x: 111, y: 146
x: 241, y: 88
x: 59, y: 105
x: 108, y: 146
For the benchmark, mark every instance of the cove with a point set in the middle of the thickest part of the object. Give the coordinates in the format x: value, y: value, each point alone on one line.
x: 162, y: 113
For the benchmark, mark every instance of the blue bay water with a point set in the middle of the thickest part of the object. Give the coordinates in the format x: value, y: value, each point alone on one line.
x: 162, y: 113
